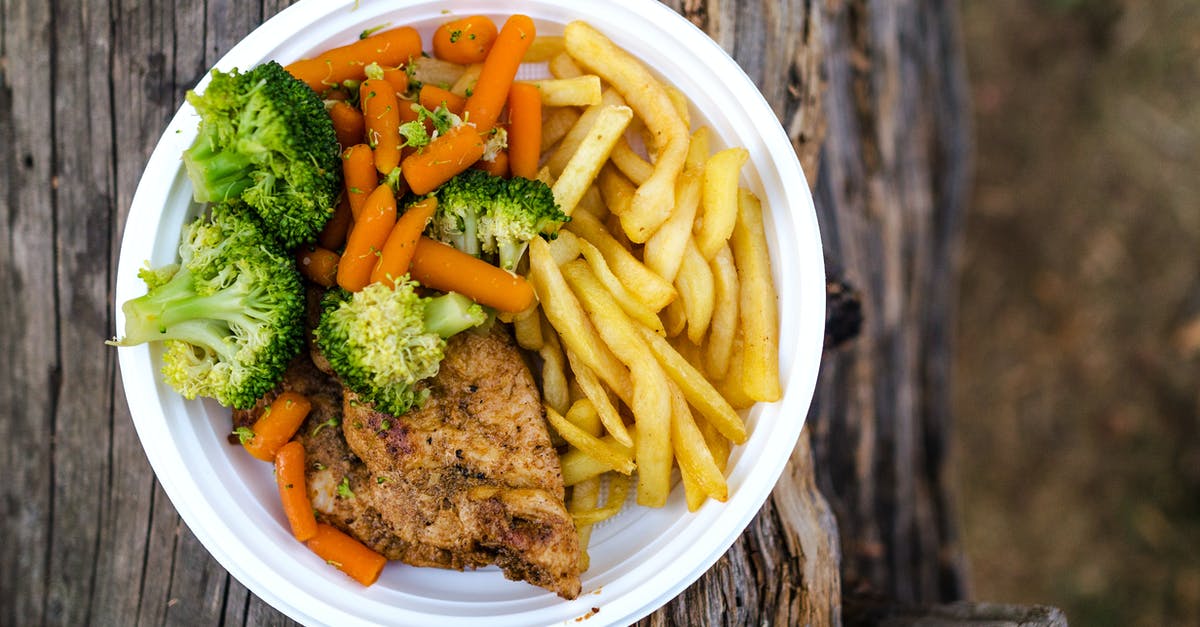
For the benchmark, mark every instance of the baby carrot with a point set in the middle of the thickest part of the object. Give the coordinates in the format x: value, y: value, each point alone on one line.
x: 334, y: 233
x: 328, y: 69
x: 444, y: 157
x: 381, y: 113
x: 358, y: 171
x: 432, y: 97
x: 347, y: 124
x: 401, y: 243
x: 499, y: 69
x: 293, y: 491
x: 276, y: 426
x: 397, y: 78
x: 370, y: 231
x: 317, y: 264
x: 464, y: 41
x: 524, y: 129
x: 346, y: 554
x: 447, y: 269
x: 498, y: 166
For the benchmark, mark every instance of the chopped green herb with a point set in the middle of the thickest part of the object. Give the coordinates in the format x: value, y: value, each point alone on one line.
x: 343, y: 489
x: 244, y: 434
x: 332, y: 422
x: 455, y: 35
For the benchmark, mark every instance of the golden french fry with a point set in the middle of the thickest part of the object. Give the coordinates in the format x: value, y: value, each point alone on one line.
x: 581, y: 170
x: 731, y: 387
x: 554, y: 378
x: 616, y: 190
x: 691, y: 450
x: 596, y: 448
x: 630, y: 163
x: 564, y: 247
x: 580, y: 91
x: 632, y: 306
x: 566, y: 315
x: 690, y: 352
x: 654, y: 199
x: 718, y: 445
x: 444, y: 74
x: 719, y: 199
x: 618, y: 492
x: 466, y: 82
x: 543, y: 49
x: 640, y: 280
x: 609, y: 416
x: 699, y: 148
x: 556, y: 122
x: 759, y: 317
x: 698, y: 391
x: 673, y: 319
x: 725, y: 315
x: 593, y: 203
x: 681, y: 104
x: 563, y: 66
x: 574, y: 137
x: 527, y: 329
x: 578, y: 466
x: 692, y: 491
x: 695, y: 286
x: 664, y: 250
x: 544, y: 176
x: 584, y: 496
x: 651, y: 402
x: 583, y: 414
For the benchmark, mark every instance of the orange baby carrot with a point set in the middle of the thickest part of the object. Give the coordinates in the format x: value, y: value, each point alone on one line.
x: 359, y: 173
x: 293, y: 491
x: 447, y: 269
x: 498, y: 166
x: 524, y: 129
x: 401, y: 243
x: 317, y: 264
x: 328, y: 69
x: 347, y: 124
x: 397, y: 78
x: 499, y: 69
x: 370, y: 231
x: 276, y: 426
x: 381, y: 113
x: 444, y: 157
x: 346, y: 554
x: 432, y: 97
x: 333, y: 235
x: 465, y: 41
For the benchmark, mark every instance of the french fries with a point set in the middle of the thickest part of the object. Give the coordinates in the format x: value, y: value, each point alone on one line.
x: 593, y: 151
x: 630, y: 163
x: 695, y: 286
x: 664, y: 250
x: 579, y: 91
x: 725, y: 315
x: 611, y: 456
x: 543, y: 48
x: 720, y: 199
x: 640, y: 280
x: 594, y: 391
x: 760, y: 321
x: 654, y: 199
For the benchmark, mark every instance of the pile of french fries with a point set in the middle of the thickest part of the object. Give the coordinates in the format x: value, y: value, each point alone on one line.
x: 657, y: 316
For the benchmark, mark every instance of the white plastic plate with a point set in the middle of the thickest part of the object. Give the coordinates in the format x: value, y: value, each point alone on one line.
x: 641, y: 559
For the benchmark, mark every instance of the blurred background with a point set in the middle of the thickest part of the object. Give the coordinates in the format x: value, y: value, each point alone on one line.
x: 1078, y: 355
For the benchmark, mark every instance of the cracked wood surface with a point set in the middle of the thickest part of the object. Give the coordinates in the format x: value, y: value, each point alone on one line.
x: 870, y: 94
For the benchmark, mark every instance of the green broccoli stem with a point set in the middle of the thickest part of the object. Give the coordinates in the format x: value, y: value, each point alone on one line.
x: 216, y: 175
x: 174, y: 311
x: 511, y: 253
x: 452, y: 313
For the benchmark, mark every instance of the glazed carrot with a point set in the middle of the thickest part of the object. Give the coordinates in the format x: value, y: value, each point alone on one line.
x: 447, y: 269
x: 293, y: 492
x: 276, y: 426
x: 381, y: 113
x: 317, y: 264
x: 371, y: 230
x: 401, y: 243
x: 524, y: 129
x: 465, y: 41
x: 346, y: 554
x: 444, y: 157
x: 328, y: 69
x: 347, y: 123
x: 499, y: 69
x: 334, y: 233
x: 498, y: 166
x: 432, y: 97
x: 358, y: 171
x: 397, y: 78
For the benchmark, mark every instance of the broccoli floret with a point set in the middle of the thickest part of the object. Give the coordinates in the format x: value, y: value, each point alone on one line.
x: 414, y: 132
x: 381, y: 341
x: 480, y: 213
x: 265, y: 140
x: 231, y: 312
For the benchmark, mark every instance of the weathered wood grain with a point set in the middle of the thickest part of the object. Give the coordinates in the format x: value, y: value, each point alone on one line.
x: 89, y: 536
